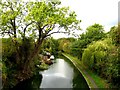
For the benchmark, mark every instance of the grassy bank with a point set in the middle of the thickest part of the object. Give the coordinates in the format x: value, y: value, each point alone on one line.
x: 93, y: 80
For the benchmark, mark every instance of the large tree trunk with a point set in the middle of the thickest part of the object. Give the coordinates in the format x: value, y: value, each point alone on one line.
x: 26, y: 70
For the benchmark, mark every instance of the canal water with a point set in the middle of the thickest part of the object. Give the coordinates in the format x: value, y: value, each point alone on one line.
x: 61, y: 74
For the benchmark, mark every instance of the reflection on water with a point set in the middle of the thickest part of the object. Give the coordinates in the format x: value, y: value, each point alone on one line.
x: 61, y: 74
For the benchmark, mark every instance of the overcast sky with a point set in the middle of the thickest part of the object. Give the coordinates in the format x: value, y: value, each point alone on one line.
x: 104, y: 12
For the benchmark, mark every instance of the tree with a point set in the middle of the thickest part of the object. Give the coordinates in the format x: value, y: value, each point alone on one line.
x: 76, y: 48
x: 64, y: 44
x: 103, y: 58
x: 54, y: 46
x: 50, y: 45
x: 94, y: 32
x: 115, y: 35
x: 32, y: 22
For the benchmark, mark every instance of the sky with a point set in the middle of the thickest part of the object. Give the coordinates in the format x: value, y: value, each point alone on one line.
x: 104, y: 12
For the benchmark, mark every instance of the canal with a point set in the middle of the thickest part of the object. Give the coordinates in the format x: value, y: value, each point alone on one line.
x: 62, y: 74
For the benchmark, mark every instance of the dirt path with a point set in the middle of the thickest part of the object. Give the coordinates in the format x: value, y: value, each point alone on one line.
x: 88, y: 78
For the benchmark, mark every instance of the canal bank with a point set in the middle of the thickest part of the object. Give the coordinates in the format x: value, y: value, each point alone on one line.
x: 91, y: 78
x: 61, y: 74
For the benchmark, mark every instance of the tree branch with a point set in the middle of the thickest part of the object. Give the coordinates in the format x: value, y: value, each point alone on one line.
x: 24, y: 30
x: 13, y: 26
x: 56, y: 32
x: 44, y: 26
x: 50, y: 28
x: 39, y: 31
x: 7, y: 32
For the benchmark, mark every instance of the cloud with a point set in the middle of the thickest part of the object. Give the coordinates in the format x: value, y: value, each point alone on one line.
x: 104, y: 12
x: 94, y: 11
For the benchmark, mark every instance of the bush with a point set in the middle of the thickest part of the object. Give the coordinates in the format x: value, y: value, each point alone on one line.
x: 12, y: 64
x: 102, y: 58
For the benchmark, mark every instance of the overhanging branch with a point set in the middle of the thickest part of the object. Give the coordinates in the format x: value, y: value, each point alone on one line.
x: 56, y: 32
x: 44, y: 26
x: 7, y: 32
x: 24, y: 30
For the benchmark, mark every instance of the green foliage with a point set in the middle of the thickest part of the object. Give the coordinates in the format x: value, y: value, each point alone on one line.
x: 50, y: 45
x: 8, y: 52
x: 93, y: 33
x: 114, y: 57
x: 54, y: 47
x: 64, y: 44
x: 25, y: 48
x: 3, y: 68
x: 43, y: 66
x: 75, y: 48
x: 96, y: 53
x: 10, y: 62
x: 28, y: 24
x: 102, y: 57
x: 114, y: 34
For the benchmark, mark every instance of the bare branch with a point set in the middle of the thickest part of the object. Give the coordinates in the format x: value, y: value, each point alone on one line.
x: 13, y: 26
x: 27, y: 26
x: 7, y: 32
x: 56, y: 32
x: 50, y: 28
x: 44, y: 26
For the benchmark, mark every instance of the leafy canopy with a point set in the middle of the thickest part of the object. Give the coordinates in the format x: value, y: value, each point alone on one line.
x: 36, y: 19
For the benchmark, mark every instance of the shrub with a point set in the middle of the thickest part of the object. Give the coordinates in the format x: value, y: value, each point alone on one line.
x: 102, y: 57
